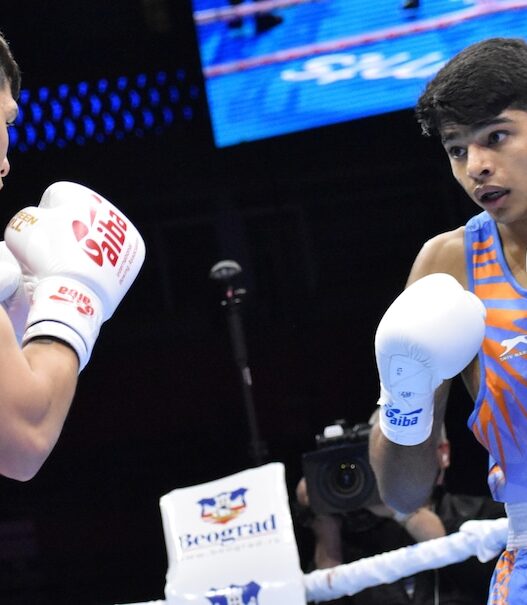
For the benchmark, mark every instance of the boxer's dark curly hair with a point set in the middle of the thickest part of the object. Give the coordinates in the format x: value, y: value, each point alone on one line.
x: 9, y: 70
x: 478, y: 83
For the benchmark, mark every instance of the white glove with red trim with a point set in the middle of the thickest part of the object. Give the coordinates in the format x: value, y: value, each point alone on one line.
x: 84, y: 255
x: 14, y: 293
x: 429, y: 333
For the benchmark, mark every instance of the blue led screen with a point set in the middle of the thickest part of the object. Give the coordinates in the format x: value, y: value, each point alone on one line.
x: 84, y: 112
x: 310, y: 63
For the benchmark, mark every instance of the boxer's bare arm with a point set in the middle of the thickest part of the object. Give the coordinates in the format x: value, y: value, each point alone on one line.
x: 406, y: 474
x: 444, y: 253
x: 73, y: 290
x: 37, y: 385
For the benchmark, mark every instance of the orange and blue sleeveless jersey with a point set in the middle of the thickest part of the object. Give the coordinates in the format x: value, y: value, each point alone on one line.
x: 499, y: 419
x: 509, y: 582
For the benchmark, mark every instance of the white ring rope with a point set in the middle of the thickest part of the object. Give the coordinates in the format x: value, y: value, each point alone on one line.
x: 225, y: 13
x: 484, y: 539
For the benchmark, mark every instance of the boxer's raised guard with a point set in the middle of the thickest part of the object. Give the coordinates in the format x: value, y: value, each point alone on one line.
x: 429, y: 334
x: 81, y: 254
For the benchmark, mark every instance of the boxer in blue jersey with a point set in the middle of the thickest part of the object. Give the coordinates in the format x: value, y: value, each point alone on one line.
x: 464, y: 310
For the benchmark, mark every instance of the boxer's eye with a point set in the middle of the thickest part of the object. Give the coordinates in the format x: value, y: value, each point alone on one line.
x: 456, y: 152
x: 496, y: 137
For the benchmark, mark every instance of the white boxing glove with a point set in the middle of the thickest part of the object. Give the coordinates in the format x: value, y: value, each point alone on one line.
x: 429, y: 333
x: 83, y: 253
x: 14, y: 296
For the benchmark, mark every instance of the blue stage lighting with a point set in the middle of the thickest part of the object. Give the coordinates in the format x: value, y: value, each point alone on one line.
x: 108, y: 108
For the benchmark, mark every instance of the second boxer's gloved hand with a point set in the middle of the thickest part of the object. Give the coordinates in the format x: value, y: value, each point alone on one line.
x: 84, y: 255
x: 429, y: 333
x: 14, y: 292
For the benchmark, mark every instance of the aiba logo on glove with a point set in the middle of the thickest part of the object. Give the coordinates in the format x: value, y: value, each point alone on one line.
x: 113, y: 235
x: 70, y: 295
x: 398, y: 418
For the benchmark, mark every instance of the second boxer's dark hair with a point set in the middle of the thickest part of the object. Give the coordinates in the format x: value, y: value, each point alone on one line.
x: 479, y: 83
x: 9, y: 70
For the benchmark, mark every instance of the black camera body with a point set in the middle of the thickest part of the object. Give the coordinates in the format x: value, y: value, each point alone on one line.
x: 339, y: 478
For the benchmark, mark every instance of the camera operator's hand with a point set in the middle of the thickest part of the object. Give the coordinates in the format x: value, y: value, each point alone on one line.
x: 328, y: 542
x: 301, y: 492
x: 326, y: 530
x: 423, y: 524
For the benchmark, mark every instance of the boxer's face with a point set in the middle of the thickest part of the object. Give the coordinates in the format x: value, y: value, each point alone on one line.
x: 489, y: 160
x: 8, y: 114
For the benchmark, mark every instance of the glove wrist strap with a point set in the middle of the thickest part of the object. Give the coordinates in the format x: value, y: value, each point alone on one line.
x: 404, y: 424
x: 59, y: 331
x: 65, y: 309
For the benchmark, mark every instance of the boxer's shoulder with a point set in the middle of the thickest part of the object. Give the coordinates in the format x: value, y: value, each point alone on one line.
x: 443, y: 253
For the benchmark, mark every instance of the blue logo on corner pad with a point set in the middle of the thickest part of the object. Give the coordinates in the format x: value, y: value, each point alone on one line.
x: 223, y: 507
x: 235, y: 594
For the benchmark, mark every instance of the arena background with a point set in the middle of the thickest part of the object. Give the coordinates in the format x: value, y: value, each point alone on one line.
x: 325, y: 223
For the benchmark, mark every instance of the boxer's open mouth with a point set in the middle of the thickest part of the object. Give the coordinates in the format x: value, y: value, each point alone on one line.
x: 490, y: 194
